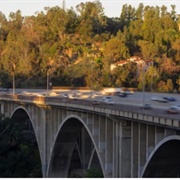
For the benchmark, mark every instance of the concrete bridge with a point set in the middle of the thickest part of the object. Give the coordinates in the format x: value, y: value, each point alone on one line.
x: 119, y: 140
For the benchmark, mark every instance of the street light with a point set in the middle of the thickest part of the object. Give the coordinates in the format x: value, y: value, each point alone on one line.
x: 91, y: 83
x: 47, y: 82
x: 152, y: 76
x: 144, y: 70
x: 91, y: 80
x: 49, y: 68
x: 13, y: 74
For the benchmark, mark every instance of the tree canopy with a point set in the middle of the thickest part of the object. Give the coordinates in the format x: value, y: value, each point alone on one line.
x: 64, y: 41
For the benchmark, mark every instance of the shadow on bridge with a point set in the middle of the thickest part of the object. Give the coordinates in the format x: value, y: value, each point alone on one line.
x: 165, y: 163
x: 28, y: 138
x: 73, y: 152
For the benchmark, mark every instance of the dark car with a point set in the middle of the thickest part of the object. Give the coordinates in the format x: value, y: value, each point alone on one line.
x: 121, y: 94
x: 169, y: 98
x: 146, y: 106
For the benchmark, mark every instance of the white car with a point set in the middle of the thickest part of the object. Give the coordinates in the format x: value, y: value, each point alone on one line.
x: 159, y: 99
x: 108, y: 100
x: 177, y: 107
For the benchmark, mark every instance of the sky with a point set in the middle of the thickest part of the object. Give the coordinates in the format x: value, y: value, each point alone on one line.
x: 112, y: 8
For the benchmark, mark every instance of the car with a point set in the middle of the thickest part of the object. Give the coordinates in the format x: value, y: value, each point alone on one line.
x: 159, y: 99
x: 65, y: 95
x: 169, y: 98
x: 177, y: 107
x: 127, y: 92
x: 108, y: 100
x: 121, y: 94
x: 73, y: 96
x: 95, y: 102
x: 146, y: 106
x: 172, y: 110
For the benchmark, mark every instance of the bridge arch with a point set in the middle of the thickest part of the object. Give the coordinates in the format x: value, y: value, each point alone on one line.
x: 164, y: 157
x: 73, y: 125
x: 21, y: 112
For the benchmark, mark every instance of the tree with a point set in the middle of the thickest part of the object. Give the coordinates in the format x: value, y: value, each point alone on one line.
x: 148, y: 49
x: 93, y: 173
x: 170, y: 85
x: 151, y: 24
x: 125, y: 76
x: 18, y: 156
x: 8, y: 134
x: 176, y: 46
x: 178, y: 83
x: 57, y: 20
x: 127, y: 15
x: 91, y: 18
x: 115, y: 49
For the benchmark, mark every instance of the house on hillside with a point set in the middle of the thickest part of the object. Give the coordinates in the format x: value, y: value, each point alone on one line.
x: 134, y: 59
x: 139, y: 62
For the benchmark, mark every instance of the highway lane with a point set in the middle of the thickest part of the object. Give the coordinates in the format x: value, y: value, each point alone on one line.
x: 130, y: 103
x: 135, y: 99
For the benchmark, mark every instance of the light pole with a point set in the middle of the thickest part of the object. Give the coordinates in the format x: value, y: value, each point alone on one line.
x: 49, y: 70
x: 91, y: 80
x: 13, y: 74
x: 144, y: 66
x: 47, y: 92
x: 152, y: 76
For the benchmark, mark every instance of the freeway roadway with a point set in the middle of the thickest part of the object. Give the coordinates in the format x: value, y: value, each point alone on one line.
x: 135, y: 99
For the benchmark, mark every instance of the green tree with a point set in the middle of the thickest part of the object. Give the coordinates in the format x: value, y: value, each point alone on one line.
x: 170, y: 85
x: 148, y: 49
x: 178, y: 83
x: 115, y: 49
x: 91, y: 18
x: 176, y: 47
x: 18, y: 156
x: 94, y: 173
x: 127, y: 15
x: 125, y: 76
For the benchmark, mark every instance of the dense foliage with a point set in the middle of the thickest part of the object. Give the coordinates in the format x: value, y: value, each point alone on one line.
x: 93, y: 173
x: 77, y: 46
x: 19, y: 157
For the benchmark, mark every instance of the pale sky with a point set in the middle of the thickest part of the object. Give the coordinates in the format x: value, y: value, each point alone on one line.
x: 112, y: 8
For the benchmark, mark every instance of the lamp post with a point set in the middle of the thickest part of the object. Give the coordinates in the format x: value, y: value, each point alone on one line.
x: 47, y: 92
x: 144, y: 70
x: 49, y: 68
x: 152, y: 76
x: 13, y: 74
x: 91, y: 80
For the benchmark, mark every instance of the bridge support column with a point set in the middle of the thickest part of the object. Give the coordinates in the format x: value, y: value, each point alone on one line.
x: 125, y: 150
x: 2, y: 107
x: 44, y: 143
x: 86, y: 149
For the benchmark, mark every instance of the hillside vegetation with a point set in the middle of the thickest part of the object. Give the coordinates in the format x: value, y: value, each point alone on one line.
x: 76, y: 47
